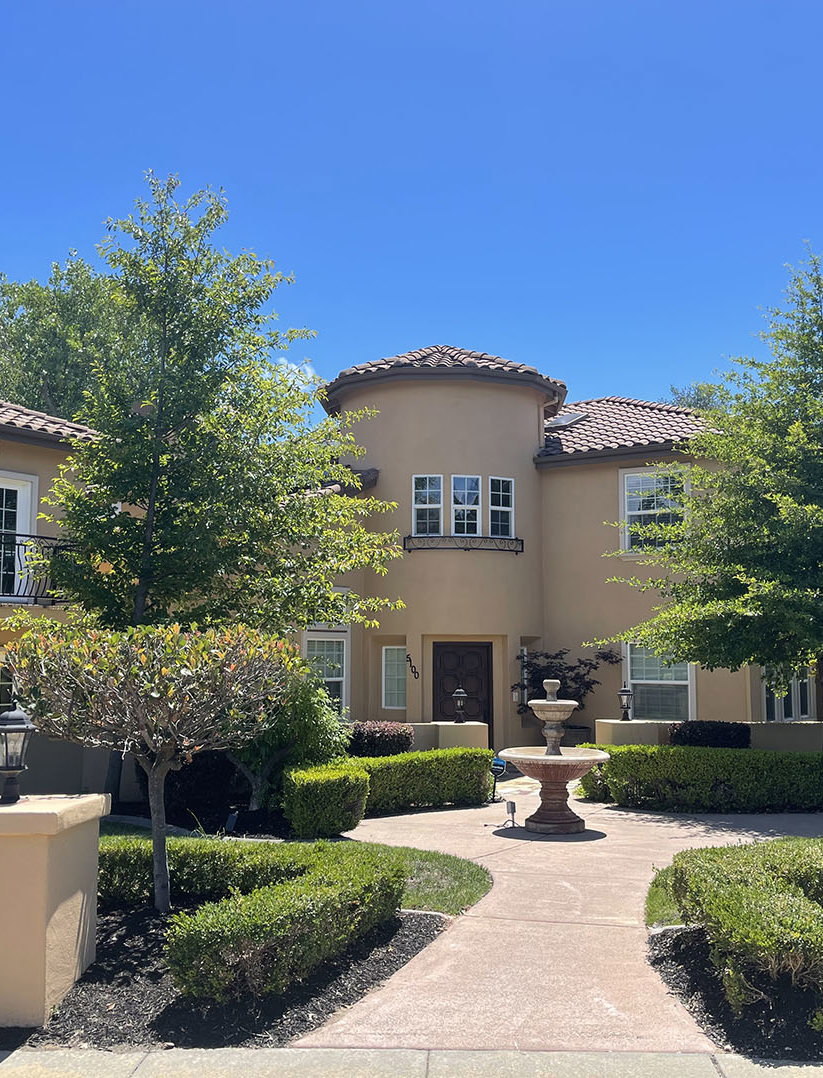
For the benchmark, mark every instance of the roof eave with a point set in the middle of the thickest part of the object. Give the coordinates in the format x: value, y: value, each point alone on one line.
x: 554, y: 391
x: 604, y: 456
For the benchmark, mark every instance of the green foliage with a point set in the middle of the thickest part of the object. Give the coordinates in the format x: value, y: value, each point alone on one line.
x: 684, y: 778
x: 760, y: 906
x: 208, y: 445
x: 380, y: 738
x: 52, y: 335
x: 576, y: 678
x: 281, y: 909
x: 715, y: 735
x: 699, y: 396
x: 441, y: 882
x: 325, y: 800
x: 305, y: 728
x: 431, y: 778
x: 741, y: 575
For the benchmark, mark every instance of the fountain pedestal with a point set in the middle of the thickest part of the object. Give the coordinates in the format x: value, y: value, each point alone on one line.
x: 554, y: 767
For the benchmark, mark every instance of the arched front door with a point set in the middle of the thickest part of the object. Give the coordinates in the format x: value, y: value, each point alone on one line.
x: 470, y: 666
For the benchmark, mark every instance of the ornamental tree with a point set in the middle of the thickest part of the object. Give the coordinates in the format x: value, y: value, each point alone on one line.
x: 199, y: 499
x: 740, y: 572
x: 159, y: 692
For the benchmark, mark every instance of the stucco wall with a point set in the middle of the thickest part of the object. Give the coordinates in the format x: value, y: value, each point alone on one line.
x: 578, y: 502
x: 452, y: 427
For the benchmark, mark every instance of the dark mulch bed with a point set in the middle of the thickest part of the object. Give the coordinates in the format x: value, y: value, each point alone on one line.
x: 775, y: 1028
x: 127, y: 998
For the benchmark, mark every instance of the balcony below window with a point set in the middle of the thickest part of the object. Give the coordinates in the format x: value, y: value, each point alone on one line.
x: 462, y: 542
x: 24, y: 569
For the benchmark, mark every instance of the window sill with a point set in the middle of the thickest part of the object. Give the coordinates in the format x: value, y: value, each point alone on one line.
x: 462, y: 542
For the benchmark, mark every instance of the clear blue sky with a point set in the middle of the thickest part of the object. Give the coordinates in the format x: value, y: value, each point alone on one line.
x: 608, y: 190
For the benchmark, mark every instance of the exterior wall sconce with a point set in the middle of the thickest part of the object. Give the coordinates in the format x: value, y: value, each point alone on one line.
x: 460, y: 696
x: 625, y: 696
x: 16, y: 729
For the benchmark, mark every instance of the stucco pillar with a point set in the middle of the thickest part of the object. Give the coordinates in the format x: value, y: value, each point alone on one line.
x: 48, y: 901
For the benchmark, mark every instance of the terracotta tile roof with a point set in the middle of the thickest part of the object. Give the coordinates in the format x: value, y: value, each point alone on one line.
x: 26, y: 421
x: 607, y: 425
x: 368, y: 478
x: 446, y: 358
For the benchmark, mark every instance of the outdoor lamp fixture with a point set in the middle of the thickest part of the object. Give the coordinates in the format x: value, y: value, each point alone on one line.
x: 625, y: 694
x: 16, y: 729
x: 460, y: 696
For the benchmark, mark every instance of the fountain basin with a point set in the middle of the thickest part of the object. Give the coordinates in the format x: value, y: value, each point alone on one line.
x: 554, y: 773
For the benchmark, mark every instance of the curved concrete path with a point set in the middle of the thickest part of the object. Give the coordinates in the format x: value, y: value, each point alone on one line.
x: 553, y: 958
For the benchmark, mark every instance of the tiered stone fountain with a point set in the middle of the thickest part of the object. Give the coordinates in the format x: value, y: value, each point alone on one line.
x: 554, y: 767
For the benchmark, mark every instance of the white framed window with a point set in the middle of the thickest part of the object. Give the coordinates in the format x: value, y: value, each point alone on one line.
x: 427, y: 505
x: 647, y: 496
x: 661, y: 690
x: 328, y: 653
x: 501, y: 507
x: 394, y: 678
x: 466, y: 505
x: 18, y: 498
x: 798, y: 703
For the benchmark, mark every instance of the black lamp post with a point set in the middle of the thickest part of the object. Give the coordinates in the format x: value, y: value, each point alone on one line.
x: 625, y: 694
x: 460, y: 696
x: 15, y: 733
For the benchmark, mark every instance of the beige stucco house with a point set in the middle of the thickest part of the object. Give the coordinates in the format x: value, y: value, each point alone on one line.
x: 506, y: 496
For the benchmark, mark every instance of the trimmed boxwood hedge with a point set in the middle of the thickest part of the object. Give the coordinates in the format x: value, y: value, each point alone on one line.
x: 283, y: 908
x: 325, y: 800
x: 691, y: 779
x: 317, y: 799
x: 709, y: 734
x: 760, y: 905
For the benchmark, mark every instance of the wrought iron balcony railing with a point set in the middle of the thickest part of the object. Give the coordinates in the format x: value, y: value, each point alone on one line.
x: 25, y: 562
x: 462, y: 542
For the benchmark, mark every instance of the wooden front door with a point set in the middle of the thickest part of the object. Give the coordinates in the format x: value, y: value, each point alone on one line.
x: 468, y: 665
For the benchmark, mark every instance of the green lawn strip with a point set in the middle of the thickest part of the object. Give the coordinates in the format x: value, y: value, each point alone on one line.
x: 661, y: 908
x: 440, y: 882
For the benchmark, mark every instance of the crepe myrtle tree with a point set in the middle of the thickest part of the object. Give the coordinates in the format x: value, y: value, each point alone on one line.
x: 159, y: 692
x: 197, y: 501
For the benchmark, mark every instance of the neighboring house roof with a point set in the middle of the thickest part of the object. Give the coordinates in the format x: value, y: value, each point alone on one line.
x: 20, y: 423
x: 442, y: 360
x: 612, y: 426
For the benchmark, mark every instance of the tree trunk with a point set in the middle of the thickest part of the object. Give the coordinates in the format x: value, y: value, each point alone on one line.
x: 157, y: 809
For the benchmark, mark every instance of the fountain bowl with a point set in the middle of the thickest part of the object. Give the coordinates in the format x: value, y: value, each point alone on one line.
x: 554, y: 773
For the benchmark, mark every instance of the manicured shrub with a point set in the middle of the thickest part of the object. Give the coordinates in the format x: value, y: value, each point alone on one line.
x: 273, y: 911
x: 435, y: 777
x: 690, y: 779
x: 380, y: 738
x: 200, y: 869
x: 760, y: 907
x: 263, y: 942
x: 716, y: 735
x: 325, y: 800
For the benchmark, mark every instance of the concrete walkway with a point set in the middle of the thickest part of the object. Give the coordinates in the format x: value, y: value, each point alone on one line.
x: 553, y: 958
x: 546, y: 976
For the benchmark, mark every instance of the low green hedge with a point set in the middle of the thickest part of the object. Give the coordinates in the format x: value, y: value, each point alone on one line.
x: 691, y: 779
x: 426, y: 779
x: 325, y: 800
x: 317, y: 798
x: 283, y: 908
x: 760, y: 907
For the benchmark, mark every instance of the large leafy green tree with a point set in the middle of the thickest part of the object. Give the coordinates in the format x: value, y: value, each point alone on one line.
x: 741, y: 574
x: 52, y: 334
x: 211, y: 491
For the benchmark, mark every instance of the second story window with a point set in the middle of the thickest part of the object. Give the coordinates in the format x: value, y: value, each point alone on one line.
x: 465, y: 505
x: 427, y: 511
x: 648, y: 497
x: 501, y: 508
